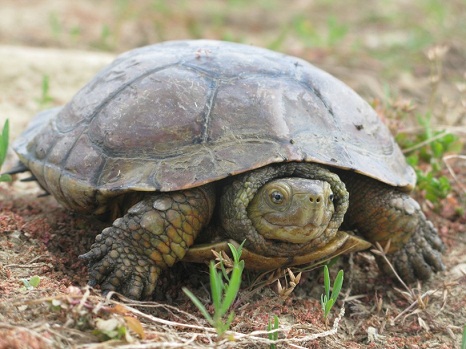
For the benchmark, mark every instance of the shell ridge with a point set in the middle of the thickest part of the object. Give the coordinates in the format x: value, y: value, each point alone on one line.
x: 208, y: 112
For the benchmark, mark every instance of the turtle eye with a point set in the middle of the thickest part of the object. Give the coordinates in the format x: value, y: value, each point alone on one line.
x: 331, y: 197
x: 276, y: 197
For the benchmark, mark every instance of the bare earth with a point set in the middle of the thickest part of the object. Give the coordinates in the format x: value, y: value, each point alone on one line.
x: 39, y: 237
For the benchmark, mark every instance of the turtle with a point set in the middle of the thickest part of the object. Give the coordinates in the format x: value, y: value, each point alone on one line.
x: 188, y: 145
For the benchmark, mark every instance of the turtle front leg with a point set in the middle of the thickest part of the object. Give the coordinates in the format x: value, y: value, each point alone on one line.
x: 382, y: 213
x: 154, y: 234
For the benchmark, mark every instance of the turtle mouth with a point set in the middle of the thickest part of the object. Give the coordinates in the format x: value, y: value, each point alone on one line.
x: 297, y: 234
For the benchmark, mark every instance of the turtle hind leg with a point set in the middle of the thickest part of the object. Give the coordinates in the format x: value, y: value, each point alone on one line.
x: 382, y: 213
x: 155, y: 233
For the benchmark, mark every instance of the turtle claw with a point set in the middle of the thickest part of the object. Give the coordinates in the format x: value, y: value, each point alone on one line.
x: 117, y: 266
x: 420, y: 257
x: 113, y: 275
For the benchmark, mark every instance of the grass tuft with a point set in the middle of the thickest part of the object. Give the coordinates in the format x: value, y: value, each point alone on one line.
x: 224, y: 290
x: 327, y: 300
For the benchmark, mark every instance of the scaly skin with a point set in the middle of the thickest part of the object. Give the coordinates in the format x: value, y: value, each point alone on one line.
x: 157, y: 231
x: 238, y: 225
x: 153, y: 235
x: 380, y: 213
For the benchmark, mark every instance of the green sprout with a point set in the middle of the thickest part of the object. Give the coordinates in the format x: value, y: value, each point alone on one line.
x: 274, y: 335
x: 223, y: 293
x: 32, y: 283
x: 326, y: 300
x: 3, y: 149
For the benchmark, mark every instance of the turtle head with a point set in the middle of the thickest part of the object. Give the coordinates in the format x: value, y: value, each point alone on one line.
x: 296, y: 210
x: 284, y: 209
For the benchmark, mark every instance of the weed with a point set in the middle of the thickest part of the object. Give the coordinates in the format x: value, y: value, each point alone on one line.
x: 32, y: 283
x: 55, y: 25
x: 311, y: 36
x: 223, y: 294
x: 336, y: 31
x: 276, y: 44
x: 273, y: 336
x: 75, y: 32
x: 430, y: 147
x: 436, y: 188
x: 3, y: 149
x: 106, y: 39
x: 45, y: 98
x: 425, y: 146
x: 161, y: 6
x: 327, y: 301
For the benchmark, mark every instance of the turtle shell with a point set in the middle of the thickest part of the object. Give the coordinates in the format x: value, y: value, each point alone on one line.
x: 181, y: 114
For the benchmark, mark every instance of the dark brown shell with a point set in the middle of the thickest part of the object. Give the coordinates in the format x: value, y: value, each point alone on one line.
x: 180, y: 114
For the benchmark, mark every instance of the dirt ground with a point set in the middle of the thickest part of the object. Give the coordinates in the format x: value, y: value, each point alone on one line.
x: 389, y: 54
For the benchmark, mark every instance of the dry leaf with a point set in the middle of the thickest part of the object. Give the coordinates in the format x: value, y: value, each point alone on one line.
x: 135, y: 325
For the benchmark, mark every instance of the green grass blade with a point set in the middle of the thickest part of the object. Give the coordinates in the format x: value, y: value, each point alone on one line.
x: 337, y: 286
x: 224, y: 272
x: 216, y: 286
x: 273, y: 336
x: 275, y: 325
x: 230, y: 319
x: 236, y: 252
x: 323, y: 301
x: 328, y: 307
x: 233, y: 286
x: 5, y: 177
x: 326, y: 282
x: 4, y: 141
x: 199, y: 305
